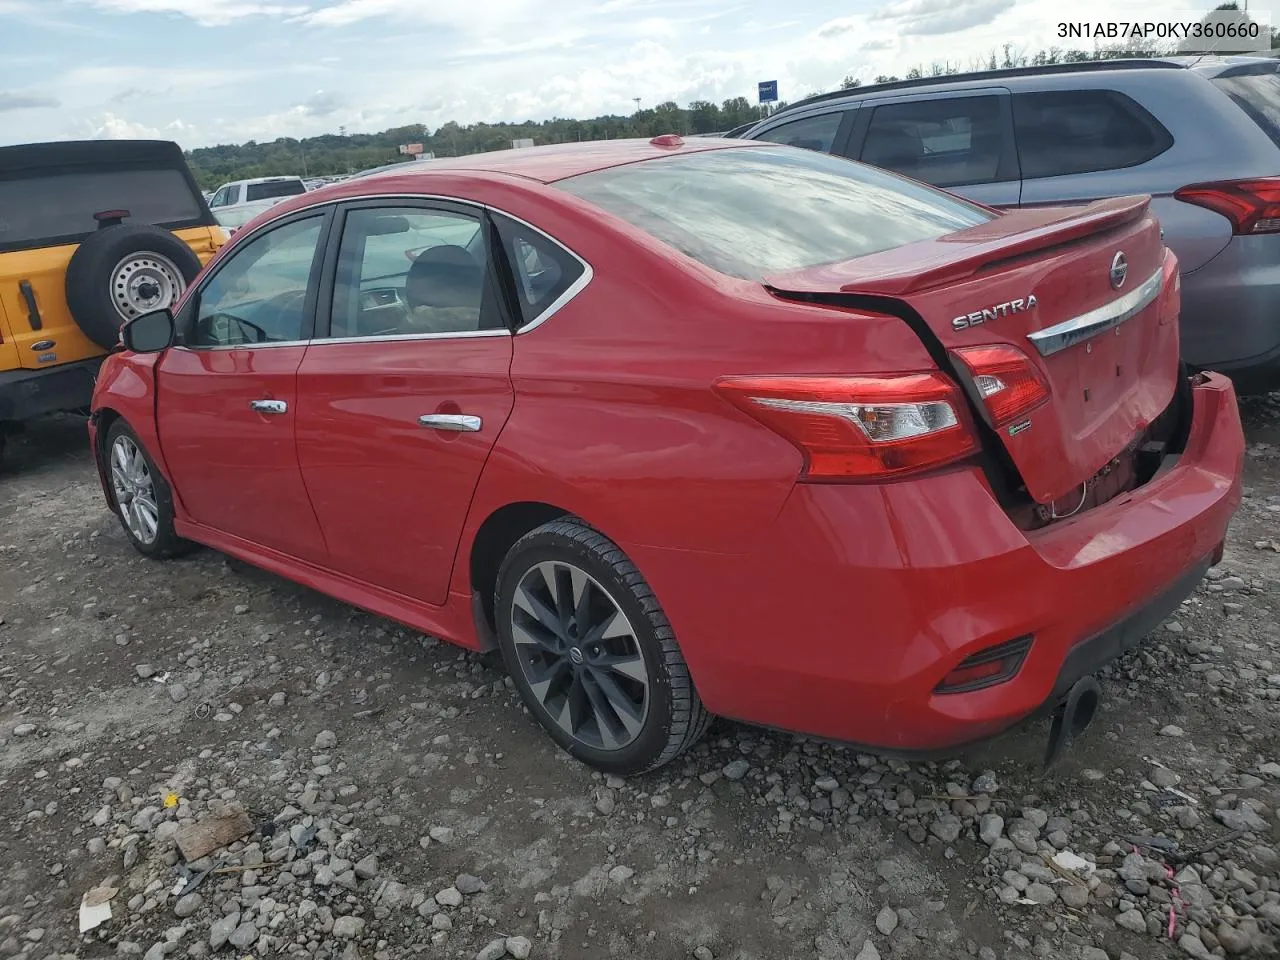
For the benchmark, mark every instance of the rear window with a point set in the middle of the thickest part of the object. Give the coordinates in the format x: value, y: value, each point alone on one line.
x: 1064, y: 132
x: 60, y: 208
x: 277, y: 188
x: 1258, y: 95
x: 758, y: 211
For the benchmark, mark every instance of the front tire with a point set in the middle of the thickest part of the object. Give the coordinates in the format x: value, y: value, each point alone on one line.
x: 144, y: 504
x: 591, y: 652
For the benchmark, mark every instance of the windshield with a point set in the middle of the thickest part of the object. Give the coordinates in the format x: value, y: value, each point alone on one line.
x: 273, y: 189
x: 1258, y: 95
x: 758, y: 211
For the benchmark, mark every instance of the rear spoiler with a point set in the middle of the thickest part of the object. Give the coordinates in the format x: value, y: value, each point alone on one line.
x: 957, y: 256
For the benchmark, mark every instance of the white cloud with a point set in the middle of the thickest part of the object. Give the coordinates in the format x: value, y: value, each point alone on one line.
x: 208, y: 13
x: 936, y: 17
x: 111, y: 127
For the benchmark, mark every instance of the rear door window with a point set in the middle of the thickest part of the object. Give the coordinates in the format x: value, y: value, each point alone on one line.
x: 758, y: 210
x: 544, y: 272
x: 811, y: 133
x: 1082, y: 131
x: 1258, y: 95
x: 37, y: 210
x: 269, y: 191
x: 946, y: 142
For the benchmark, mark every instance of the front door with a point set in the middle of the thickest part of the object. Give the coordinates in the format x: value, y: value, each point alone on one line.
x: 227, y: 395
x: 399, y: 407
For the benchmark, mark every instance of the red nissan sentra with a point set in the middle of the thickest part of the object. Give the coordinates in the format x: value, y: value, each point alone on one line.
x: 696, y: 428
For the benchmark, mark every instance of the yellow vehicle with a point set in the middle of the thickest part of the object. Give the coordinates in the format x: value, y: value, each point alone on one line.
x: 91, y: 234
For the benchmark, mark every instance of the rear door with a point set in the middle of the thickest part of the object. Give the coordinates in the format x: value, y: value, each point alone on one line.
x: 227, y: 404
x: 402, y: 400
x: 961, y: 141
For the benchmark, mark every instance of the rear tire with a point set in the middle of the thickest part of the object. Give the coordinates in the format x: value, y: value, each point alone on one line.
x: 592, y: 654
x: 122, y: 271
x: 143, y: 502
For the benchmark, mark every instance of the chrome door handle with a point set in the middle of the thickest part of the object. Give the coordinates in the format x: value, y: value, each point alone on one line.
x: 457, y: 422
x: 268, y: 406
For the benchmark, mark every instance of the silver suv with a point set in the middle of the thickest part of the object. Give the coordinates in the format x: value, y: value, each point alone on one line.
x: 1201, y: 135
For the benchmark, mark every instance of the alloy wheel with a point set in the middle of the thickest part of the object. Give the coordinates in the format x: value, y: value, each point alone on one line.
x: 134, y: 490
x: 580, y: 655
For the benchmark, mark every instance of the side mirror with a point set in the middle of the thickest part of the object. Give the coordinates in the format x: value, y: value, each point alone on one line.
x: 149, y: 332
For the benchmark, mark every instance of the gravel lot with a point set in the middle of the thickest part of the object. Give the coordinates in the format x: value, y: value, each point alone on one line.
x: 402, y: 804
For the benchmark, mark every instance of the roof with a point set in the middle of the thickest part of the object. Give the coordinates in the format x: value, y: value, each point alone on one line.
x: 50, y: 157
x: 561, y: 161
x: 1087, y: 66
x: 252, y: 180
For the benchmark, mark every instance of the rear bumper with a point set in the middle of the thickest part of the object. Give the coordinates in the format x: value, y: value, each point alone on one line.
x: 31, y: 393
x: 862, y: 598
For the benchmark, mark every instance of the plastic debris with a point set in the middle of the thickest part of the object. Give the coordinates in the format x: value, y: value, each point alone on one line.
x: 95, y: 907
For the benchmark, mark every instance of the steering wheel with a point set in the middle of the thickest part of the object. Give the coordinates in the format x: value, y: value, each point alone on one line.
x: 220, y: 328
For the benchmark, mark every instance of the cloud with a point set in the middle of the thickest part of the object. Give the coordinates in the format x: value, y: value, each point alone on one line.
x: 111, y: 127
x: 937, y: 17
x: 207, y: 13
x: 25, y: 101
x: 320, y: 104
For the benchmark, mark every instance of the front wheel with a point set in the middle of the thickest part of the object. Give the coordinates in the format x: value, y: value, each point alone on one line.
x: 143, y: 501
x: 591, y: 652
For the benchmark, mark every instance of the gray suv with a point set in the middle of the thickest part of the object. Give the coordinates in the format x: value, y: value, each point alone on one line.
x: 1201, y: 135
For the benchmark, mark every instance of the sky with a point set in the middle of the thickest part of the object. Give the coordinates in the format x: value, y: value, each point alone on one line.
x: 203, y: 72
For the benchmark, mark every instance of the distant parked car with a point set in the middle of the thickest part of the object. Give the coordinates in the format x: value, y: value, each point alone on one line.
x: 238, y: 202
x: 694, y: 427
x: 1201, y: 135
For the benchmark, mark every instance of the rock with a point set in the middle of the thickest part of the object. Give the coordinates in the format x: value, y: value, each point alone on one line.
x: 985, y: 782
x: 868, y: 951
x: 621, y: 874
x: 1074, y: 895
x: 469, y: 885
x: 1133, y: 921
x: 449, y: 897
x: 887, y: 920
x: 946, y: 828
x: 277, y: 699
x: 1233, y: 939
x: 605, y: 804
x: 991, y: 828
x: 246, y: 935
x: 1038, y: 818
x: 441, y: 834
x: 519, y: 947
x: 24, y: 729
x: 1164, y: 777
x: 496, y: 950
x: 188, y: 905
x: 1193, y: 947
x: 1024, y: 835
x: 348, y: 928
x: 1093, y: 953
x: 1187, y: 817
x: 1041, y: 893
x: 1242, y: 818
x: 325, y: 740
x: 221, y: 929
x: 1170, y: 730
x: 367, y: 868
x: 211, y: 833
x: 703, y: 952
x: 145, y: 671
x: 177, y: 692
x: 826, y: 784
x: 1271, y: 769
x: 736, y: 769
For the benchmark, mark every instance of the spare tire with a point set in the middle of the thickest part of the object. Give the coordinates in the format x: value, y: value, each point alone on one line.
x: 122, y: 271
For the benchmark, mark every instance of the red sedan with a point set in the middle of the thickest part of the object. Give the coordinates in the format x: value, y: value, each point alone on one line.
x: 695, y: 428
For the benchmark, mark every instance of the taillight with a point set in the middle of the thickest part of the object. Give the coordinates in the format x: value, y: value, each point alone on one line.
x: 859, y: 428
x: 1252, y: 206
x: 986, y: 668
x: 1008, y: 383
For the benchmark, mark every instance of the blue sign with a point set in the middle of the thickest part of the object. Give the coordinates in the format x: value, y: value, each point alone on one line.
x: 768, y: 91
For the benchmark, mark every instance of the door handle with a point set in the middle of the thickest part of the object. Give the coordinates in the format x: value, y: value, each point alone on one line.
x: 457, y: 422
x: 268, y: 406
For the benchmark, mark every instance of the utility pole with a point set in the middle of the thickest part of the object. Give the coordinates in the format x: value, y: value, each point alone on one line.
x: 637, y: 100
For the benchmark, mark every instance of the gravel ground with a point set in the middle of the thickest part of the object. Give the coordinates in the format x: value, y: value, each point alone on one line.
x: 400, y: 803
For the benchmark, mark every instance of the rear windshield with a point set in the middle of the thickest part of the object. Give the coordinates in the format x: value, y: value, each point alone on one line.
x: 278, y: 188
x: 1258, y: 95
x: 37, y: 210
x: 758, y: 211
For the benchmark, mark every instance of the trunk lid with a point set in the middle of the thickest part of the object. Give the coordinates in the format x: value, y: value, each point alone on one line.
x: 1043, y: 280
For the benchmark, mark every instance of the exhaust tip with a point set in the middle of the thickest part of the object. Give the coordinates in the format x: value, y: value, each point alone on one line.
x: 1072, y: 718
